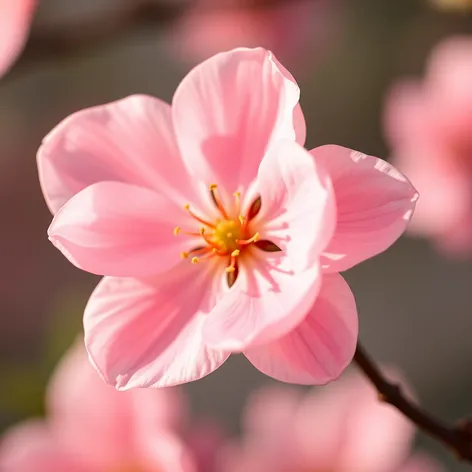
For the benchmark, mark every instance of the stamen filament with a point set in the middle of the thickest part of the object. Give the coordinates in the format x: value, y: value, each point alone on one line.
x: 195, y: 216
x: 218, y: 201
x: 204, y: 254
x: 243, y: 220
x: 253, y: 239
x: 237, y: 198
x: 232, y: 266
x: 208, y: 240
x: 178, y: 231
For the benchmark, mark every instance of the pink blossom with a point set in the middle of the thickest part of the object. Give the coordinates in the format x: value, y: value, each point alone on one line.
x: 216, y: 230
x: 15, y: 20
x: 428, y: 124
x: 91, y: 427
x: 344, y: 428
x: 287, y: 28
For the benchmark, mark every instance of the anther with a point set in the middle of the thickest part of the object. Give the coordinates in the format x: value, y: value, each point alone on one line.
x: 235, y: 253
x: 184, y: 255
x: 194, y: 260
x: 230, y: 269
x: 176, y: 230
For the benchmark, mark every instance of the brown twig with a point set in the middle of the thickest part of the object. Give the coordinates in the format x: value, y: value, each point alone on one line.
x: 75, y: 37
x: 457, y: 438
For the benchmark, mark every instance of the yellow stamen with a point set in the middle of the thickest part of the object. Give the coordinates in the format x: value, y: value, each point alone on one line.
x: 194, y: 260
x: 218, y: 202
x: 195, y: 216
x: 176, y: 230
x: 184, y: 255
x: 254, y: 238
x: 232, y: 266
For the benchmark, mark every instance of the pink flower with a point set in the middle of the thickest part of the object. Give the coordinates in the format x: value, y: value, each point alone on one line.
x: 92, y: 428
x: 15, y: 20
x: 213, y: 226
x: 213, y: 26
x: 344, y: 428
x: 428, y: 125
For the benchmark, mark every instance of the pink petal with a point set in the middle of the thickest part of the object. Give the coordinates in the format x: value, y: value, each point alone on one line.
x: 448, y: 80
x: 164, y: 452
x: 298, y: 211
x: 227, y: 112
x: 321, y: 347
x: 267, y: 300
x: 269, y: 426
x: 112, y: 228
x: 15, y: 20
x: 374, y: 201
x: 84, y: 410
x: 376, y: 436
x: 407, y: 113
x: 149, y: 333
x: 130, y: 140
x: 31, y: 446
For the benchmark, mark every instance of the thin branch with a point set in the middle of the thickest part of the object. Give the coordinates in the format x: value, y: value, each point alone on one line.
x: 73, y: 38
x: 457, y: 438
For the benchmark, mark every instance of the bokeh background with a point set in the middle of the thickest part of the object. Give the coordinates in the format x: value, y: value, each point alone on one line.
x: 414, y: 304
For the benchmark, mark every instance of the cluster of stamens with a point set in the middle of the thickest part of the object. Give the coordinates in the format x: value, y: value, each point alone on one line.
x: 228, y: 236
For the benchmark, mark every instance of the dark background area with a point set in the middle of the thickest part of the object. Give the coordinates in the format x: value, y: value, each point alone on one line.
x: 414, y: 304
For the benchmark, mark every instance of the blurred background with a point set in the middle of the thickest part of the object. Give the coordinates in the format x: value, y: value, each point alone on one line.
x: 414, y: 304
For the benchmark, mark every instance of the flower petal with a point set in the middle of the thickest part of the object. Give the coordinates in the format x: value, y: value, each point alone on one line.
x: 130, y: 140
x: 164, y: 452
x: 376, y: 436
x: 298, y: 211
x: 374, y: 204
x: 149, y: 333
x: 227, y: 112
x: 15, y: 21
x: 112, y: 228
x: 321, y: 347
x: 31, y: 446
x: 84, y: 410
x: 267, y: 300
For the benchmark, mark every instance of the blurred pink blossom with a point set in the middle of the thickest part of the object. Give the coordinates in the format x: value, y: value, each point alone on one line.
x: 15, y: 21
x: 343, y: 428
x: 90, y: 427
x: 428, y: 124
x: 291, y: 29
x: 133, y: 186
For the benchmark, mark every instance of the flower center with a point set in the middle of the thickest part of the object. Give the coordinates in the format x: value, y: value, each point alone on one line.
x: 227, y: 237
